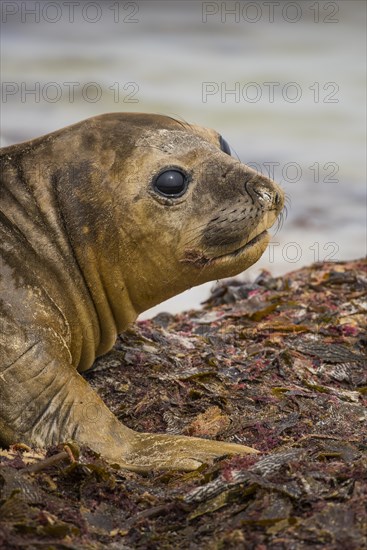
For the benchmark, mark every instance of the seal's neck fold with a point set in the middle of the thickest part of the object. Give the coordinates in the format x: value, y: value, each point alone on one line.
x: 110, y: 297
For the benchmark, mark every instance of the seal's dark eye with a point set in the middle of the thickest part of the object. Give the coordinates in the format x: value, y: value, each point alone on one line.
x: 171, y: 183
x: 224, y: 146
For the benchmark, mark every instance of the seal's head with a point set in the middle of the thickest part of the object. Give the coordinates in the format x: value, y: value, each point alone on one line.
x: 159, y: 206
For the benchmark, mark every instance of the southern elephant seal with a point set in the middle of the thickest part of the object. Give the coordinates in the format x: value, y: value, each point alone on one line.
x: 100, y: 221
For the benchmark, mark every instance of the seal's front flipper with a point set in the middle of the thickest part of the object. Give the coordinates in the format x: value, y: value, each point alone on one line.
x: 46, y: 402
x: 170, y: 452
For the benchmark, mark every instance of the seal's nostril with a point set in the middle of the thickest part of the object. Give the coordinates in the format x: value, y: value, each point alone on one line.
x: 262, y: 191
x: 265, y: 195
x: 258, y: 191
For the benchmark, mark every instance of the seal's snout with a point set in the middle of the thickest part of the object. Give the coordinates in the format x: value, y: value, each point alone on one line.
x: 265, y: 192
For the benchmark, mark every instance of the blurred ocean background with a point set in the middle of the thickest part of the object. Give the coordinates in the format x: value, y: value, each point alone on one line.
x: 283, y: 83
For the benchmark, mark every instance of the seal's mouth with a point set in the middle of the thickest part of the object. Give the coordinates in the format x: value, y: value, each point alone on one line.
x: 254, y: 246
x: 244, y: 248
x: 244, y: 251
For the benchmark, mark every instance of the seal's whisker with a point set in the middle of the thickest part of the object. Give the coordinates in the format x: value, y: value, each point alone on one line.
x: 279, y: 224
x: 235, y: 152
x: 197, y: 227
x: 281, y: 218
x: 190, y: 241
x: 283, y: 215
x: 181, y: 122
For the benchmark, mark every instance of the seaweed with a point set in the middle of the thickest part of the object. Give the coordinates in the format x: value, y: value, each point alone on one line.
x: 278, y: 364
